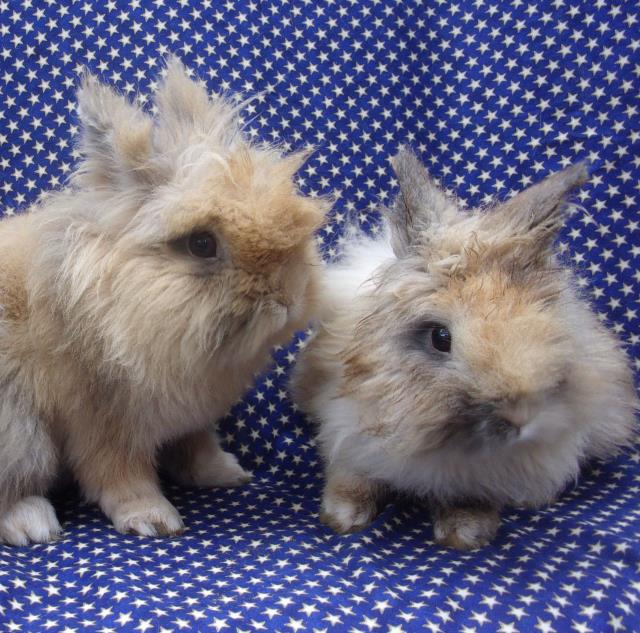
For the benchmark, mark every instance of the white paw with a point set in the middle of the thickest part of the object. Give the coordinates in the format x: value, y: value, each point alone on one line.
x: 345, y: 515
x: 30, y: 520
x: 465, y: 529
x: 221, y: 470
x: 147, y: 517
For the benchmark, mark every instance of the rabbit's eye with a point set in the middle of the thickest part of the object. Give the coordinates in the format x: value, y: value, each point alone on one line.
x: 441, y: 338
x: 202, y: 245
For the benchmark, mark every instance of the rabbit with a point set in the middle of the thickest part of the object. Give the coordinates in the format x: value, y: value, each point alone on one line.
x: 138, y: 302
x: 454, y: 360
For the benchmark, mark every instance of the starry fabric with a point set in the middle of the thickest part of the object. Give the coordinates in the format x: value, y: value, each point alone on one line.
x: 493, y: 95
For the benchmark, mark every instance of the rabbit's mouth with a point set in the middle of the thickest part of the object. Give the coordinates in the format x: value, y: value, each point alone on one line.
x: 277, y: 308
x: 494, y: 429
x: 275, y: 314
x: 481, y: 426
x: 287, y: 310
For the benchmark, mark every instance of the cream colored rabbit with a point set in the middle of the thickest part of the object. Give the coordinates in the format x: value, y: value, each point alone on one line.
x: 138, y: 303
x: 456, y: 361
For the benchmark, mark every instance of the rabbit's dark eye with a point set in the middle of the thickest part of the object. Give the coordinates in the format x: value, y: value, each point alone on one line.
x: 202, y: 245
x: 441, y: 338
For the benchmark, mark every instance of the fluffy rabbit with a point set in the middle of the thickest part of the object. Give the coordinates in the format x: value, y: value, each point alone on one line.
x: 138, y: 303
x: 455, y: 361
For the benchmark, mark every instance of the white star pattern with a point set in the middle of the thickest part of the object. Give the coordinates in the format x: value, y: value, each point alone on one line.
x: 493, y: 95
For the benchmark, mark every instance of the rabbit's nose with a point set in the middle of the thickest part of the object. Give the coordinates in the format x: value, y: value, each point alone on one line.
x: 520, y: 412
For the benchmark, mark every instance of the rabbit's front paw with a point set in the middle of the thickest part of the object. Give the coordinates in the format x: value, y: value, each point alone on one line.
x: 198, y: 460
x: 345, y: 514
x: 465, y: 528
x: 30, y: 520
x: 147, y: 517
x: 220, y: 470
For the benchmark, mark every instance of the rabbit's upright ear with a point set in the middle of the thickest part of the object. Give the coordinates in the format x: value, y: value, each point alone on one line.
x: 421, y: 205
x: 186, y: 111
x: 181, y: 101
x: 535, y: 215
x: 116, y: 137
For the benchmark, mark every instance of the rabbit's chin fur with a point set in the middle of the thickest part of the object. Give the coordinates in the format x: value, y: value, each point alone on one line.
x: 118, y: 345
x: 532, y: 387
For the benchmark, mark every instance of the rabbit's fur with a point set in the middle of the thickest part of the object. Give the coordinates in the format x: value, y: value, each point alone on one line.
x: 115, y: 340
x: 533, y: 383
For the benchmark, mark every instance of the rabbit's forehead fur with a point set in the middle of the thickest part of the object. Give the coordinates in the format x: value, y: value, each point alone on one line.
x: 189, y: 163
x: 509, y: 351
x: 508, y: 337
x: 249, y: 200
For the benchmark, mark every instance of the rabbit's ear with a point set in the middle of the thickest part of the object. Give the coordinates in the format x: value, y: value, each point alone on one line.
x: 116, y: 137
x: 536, y: 214
x: 181, y: 101
x: 420, y: 206
x: 185, y: 109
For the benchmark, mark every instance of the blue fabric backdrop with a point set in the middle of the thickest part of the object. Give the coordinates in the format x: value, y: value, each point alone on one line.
x: 493, y: 95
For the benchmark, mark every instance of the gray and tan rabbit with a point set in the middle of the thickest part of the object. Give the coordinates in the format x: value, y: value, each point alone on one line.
x: 455, y: 360
x: 137, y: 304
